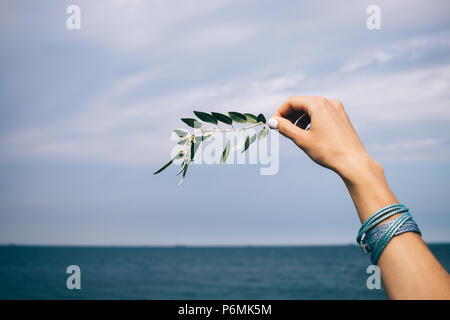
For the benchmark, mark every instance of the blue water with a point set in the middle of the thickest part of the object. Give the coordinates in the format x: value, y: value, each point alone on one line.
x: 316, y: 272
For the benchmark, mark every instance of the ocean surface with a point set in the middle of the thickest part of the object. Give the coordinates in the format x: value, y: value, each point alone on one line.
x: 313, y: 272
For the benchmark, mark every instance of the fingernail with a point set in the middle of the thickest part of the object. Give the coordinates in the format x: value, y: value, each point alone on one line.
x: 273, y: 123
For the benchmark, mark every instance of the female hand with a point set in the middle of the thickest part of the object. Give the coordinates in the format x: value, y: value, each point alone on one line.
x: 331, y: 140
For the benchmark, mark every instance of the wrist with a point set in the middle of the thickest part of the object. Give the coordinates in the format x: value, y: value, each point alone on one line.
x: 365, y: 180
x: 361, y: 168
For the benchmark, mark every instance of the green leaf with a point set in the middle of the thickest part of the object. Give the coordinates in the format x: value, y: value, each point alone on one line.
x: 178, y: 156
x: 182, y: 166
x: 263, y: 133
x: 165, y: 166
x: 205, y: 117
x: 261, y: 118
x: 222, y: 118
x: 184, y: 173
x: 194, y: 147
x: 225, y: 152
x: 182, y: 142
x: 180, y: 133
x: 238, y: 117
x: 202, y: 138
x: 251, y: 118
x: 192, y: 122
x: 248, y: 142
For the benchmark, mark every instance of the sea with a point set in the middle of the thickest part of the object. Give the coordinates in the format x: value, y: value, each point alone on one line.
x: 272, y: 272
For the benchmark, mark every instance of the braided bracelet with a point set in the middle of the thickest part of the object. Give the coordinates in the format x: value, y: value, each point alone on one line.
x: 374, y: 238
x: 374, y: 235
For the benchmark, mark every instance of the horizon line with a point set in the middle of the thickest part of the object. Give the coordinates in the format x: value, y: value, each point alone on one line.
x: 192, y: 245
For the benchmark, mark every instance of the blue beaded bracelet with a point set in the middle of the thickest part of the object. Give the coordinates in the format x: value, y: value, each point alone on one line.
x: 379, y: 216
x: 374, y: 239
x: 387, y: 236
x: 374, y: 235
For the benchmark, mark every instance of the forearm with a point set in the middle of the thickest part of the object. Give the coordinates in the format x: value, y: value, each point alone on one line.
x: 367, y: 185
x: 408, y: 268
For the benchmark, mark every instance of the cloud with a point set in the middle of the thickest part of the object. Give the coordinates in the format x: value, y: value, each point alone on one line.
x: 169, y: 58
x: 406, y: 145
x: 429, y: 150
x: 106, y: 130
x: 375, y: 58
x: 85, y: 115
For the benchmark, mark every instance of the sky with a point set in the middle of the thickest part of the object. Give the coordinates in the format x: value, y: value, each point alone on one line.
x: 86, y: 117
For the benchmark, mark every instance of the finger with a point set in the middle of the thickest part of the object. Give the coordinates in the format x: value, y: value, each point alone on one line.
x: 295, y: 106
x: 289, y: 130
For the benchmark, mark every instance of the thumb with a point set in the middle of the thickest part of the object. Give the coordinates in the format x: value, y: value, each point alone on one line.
x: 289, y: 130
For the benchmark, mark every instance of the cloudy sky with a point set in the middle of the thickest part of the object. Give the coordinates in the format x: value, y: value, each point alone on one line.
x: 86, y: 117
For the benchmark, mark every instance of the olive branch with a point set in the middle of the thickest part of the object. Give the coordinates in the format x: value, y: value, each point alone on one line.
x: 189, y: 143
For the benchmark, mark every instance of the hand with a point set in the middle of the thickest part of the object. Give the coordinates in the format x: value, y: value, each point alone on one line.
x: 331, y: 140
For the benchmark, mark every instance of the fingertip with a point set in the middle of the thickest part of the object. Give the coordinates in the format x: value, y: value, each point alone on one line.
x: 291, y: 131
x: 273, y: 123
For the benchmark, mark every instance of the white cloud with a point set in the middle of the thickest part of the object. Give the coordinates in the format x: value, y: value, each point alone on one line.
x: 405, y: 151
x: 406, y: 145
x: 120, y: 126
x: 379, y: 57
x: 403, y: 96
x: 133, y: 26
x: 139, y: 132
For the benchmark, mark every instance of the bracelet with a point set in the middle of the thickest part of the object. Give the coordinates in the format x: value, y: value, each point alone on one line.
x: 379, y: 216
x: 374, y: 235
x: 374, y: 239
x: 388, y: 235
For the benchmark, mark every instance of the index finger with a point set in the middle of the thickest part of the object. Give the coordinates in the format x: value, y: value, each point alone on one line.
x: 295, y: 106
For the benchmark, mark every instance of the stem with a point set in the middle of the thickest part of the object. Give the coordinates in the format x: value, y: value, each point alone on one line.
x: 187, y: 151
x: 232, y: 130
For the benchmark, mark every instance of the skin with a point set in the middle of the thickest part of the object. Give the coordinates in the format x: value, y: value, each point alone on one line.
x: 408, y: 268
